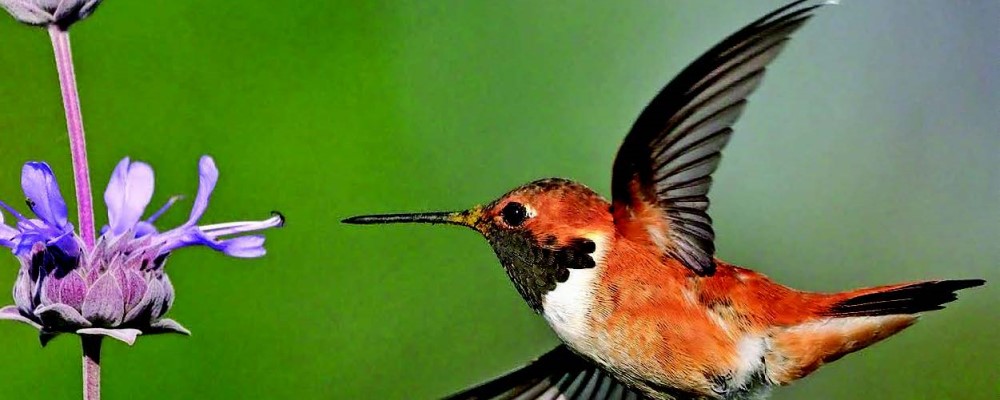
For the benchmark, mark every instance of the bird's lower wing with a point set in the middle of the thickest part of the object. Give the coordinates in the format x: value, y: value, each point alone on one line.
x: 559, y: 374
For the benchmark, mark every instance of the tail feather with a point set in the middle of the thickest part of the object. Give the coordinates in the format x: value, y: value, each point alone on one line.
x: 908, y: 298
x: 852, y: 321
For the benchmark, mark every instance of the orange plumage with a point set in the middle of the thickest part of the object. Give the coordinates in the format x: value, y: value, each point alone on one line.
x: 632, y: 286
x: 652, y: 316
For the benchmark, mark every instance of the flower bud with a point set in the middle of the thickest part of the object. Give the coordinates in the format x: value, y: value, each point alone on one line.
x: 62, y: 13
x: 118, y: 289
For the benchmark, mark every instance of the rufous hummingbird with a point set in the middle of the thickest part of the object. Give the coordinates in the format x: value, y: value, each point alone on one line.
x: 632, y: 287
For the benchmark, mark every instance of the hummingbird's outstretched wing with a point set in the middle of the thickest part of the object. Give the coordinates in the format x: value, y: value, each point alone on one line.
x: 559, y: 374
x: 663, y: 170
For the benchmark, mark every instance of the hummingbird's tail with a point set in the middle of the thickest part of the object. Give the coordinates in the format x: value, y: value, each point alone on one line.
x: 907, y: 298
x: 855, y: 320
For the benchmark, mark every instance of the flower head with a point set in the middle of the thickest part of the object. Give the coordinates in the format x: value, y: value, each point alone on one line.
x: 119, y: 288
x: 62, y: 13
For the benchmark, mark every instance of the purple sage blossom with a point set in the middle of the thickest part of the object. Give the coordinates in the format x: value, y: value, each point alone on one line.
x: 62, y: 13
x: 119, y: 288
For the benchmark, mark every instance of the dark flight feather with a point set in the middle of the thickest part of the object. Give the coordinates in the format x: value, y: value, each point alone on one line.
x: 559, y: 372
x: 675, y: 145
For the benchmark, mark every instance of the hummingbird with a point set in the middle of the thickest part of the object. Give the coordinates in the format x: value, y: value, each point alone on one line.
x: 632, y: 287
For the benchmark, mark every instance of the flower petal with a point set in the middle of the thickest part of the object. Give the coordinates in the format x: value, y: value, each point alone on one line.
x: 134, y: 288
x: 142, y: 312
x: 42, y: 191
x: 104, y: 304
x: 12, y: 313
x: 243, y: 247
x: 23, y: 291
x: 27, y: 242
x: 49, y: 293
x: 61, y: 317
x: 128, y: 194
x: 6, y: 234
x: 143, y: 229
x: 167, y: 325
x: 208, y: 175
x: 68, y: 243
x: 27, y: 12
x: 73, y: 290
x: 126, y: 335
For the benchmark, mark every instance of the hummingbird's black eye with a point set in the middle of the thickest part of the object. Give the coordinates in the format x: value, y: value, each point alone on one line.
x: 514, y: 214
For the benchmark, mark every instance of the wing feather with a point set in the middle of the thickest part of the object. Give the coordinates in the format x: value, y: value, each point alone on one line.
x: 663, y: 171
x: 559, y: 374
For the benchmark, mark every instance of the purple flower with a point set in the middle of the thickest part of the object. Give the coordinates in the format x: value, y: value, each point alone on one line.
x: 50, y: 12
x: 119, y: 288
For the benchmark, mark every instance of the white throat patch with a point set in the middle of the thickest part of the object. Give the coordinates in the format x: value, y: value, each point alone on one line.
x: 567, y: 307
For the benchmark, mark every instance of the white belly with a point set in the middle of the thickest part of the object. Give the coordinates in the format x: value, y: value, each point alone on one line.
x: 567, y: 308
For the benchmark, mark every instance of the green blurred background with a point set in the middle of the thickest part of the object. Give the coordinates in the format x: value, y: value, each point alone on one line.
x: 869, y: 156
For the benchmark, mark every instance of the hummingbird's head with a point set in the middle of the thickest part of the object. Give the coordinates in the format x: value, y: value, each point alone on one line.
x: 541, y: 232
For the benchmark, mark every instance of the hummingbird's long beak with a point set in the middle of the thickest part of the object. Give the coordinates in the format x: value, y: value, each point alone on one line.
x: 469, y: 218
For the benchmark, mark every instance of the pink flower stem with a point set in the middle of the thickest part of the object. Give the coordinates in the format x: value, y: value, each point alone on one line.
x: 74, y: 121
x: 84, y: 201
x: 91, y: 366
